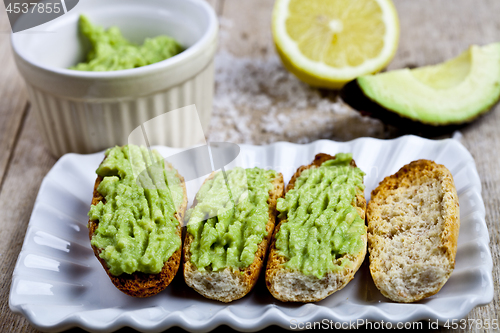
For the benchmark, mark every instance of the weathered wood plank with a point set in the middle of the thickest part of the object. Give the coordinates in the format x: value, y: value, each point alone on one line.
x: 432, y: 31
x: 13, y: 97
x: 482, y: 139
x: 246, y: 28
x: 30, y: 163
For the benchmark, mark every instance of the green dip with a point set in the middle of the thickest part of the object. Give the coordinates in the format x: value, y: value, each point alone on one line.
x: 137, y: 227
x: 322, y: 225
x: 111, y: 51
x: 225, y: 234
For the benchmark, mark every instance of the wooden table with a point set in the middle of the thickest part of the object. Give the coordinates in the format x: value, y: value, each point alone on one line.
x: 244, y: 111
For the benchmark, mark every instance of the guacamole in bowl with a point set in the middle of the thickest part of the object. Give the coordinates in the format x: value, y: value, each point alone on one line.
x: 110, y: 51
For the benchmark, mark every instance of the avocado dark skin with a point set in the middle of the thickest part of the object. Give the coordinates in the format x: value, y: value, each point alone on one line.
x: 354, y: 96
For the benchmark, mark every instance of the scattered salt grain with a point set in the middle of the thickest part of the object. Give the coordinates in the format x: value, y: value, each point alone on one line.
x: 257, y: 101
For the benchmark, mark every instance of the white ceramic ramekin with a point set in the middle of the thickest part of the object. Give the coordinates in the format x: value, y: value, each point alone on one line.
x: 88, y: 111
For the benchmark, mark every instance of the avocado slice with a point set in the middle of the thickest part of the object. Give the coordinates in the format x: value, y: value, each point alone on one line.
x: 451, y: 93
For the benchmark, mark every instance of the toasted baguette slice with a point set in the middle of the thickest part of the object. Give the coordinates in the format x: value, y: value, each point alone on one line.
x: 141, y: 284
x: 228, y: 285
x: 413, y: 223
x: 293, y: 286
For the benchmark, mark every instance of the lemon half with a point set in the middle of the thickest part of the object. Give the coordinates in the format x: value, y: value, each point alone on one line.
x: 327, y: 43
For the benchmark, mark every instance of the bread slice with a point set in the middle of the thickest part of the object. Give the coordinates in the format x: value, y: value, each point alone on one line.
x: 293, y: 286
x: 228, y: 285
x: 413, y: 224
x: 140, y: 284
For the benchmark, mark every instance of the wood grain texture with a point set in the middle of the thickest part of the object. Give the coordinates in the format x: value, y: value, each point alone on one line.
x: 431, y: 31
x: 13, y: 97
x: 30, y: 163
x: 246, y: 28
x: 482, y: 139
x: 434, y: 31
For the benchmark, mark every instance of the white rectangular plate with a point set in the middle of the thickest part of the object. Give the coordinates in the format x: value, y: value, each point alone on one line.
x: 58, y: 283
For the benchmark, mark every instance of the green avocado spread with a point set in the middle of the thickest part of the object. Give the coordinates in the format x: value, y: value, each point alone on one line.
x: 322, y: 225
x: 110, y: 51
x: 137, y: 227
x: 229, y: 221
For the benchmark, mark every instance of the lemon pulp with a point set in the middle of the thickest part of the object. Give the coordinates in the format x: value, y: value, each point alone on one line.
x: 330, y: 42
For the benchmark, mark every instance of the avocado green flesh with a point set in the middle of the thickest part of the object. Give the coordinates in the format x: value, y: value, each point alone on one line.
x: 453, y: 92
x: 137, y: 229
x: 110, y: 51
x: 229, y: 221
x: 321, y: 224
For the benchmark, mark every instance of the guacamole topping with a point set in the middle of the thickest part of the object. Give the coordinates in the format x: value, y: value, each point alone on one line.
x: 229, y: 222
x: 322, y: 225
x: 110, y: 51
x: 137, y: 227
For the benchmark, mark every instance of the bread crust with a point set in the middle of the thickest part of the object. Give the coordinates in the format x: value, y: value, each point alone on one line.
x: 293, y: 286
x: 430, y: 250
x: 229, y: 285
x: 139, y: 284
